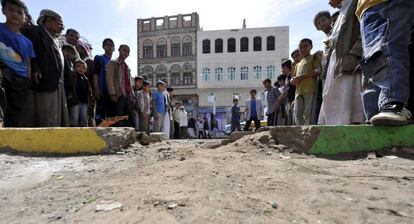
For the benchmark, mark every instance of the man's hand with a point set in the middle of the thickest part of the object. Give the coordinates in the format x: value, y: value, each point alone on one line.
x: 114, y: 99
x: 36, y: 76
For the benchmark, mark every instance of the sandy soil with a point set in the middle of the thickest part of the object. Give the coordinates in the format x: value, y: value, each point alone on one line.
x: 196, y: 182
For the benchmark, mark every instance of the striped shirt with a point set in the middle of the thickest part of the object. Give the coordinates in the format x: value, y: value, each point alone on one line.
x: 272, y: 94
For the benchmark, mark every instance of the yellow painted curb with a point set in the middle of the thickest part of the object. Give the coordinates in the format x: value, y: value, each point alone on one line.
x: 52, y: 140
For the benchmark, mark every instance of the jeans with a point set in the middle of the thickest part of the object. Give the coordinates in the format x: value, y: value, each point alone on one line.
x: 256, y: 123
x: 304, y: 111
x: 235, y: 125
x: 158, y: 122
x: 385, y: 31
x: 79, y: 115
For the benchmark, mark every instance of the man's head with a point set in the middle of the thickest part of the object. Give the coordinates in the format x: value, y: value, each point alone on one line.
x: 69, y: 52
x: 138, y: 81
x: 81, y: 67
x: 267, y: 83
x: 323, y: 22
x: 177, y: 105
x: 109, y: 46
x: 281, y: 80
x: 160, y: 86
x: 52, y: 21
x: 15, y: 11
x: 287, y: 67
x: 146, y: 86
x: 123, y: 52
x: 305, y: 47
x: 72, y: 36
x: 335, y: 3
x: 253, y: 93
x: 170, y: 90
x: 296, y: 56
x: 235, y: 101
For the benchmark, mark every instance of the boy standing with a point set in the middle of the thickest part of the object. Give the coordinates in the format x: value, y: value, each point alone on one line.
x: 144, y: 109
x: 273, y: 102
x: 81, y: 90
x: 158, y: 105
x: 16, y: 52
x: 385, y: 31
x: 235, y: 116
x: 254, y: 110
x: 305, y: 80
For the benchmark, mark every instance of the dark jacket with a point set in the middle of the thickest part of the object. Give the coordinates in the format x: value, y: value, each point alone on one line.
x: 80, y: 85
x: 349, y: 45
x: 48, y: 59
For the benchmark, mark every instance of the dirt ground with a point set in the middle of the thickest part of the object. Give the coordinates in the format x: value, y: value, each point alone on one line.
x: 196, y: 182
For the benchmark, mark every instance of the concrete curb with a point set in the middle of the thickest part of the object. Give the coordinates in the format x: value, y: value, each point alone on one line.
x: 66, y: 140
x: 330, y: 140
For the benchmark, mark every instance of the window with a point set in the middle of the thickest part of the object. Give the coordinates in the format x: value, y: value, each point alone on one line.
x: 257, y: 72
x: 206, y: 46
x: 244, y: 44
x: 187, y: 46
x: 271, y: 72
x: 231, y: 45
x: 162, y: 48
x: 173, y: 22
x: 175, y: 47
x: 257, y: 44
x: 270, y: 43
x: 159, y: 24
x: 231, y: 71
x: 175, y: 78
x: 206, y: 74
x: 187, y: 21
x: 219, y: 74
x: 188, y: 79
x: 244, y: 73
x: 219, y: 46
x: 148, y: 49
x: 146, y: 25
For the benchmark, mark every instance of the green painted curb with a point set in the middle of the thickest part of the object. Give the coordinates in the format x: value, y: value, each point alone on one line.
x: 343, y: 139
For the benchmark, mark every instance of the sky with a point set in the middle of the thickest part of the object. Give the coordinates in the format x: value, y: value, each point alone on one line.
x: 98, y: 19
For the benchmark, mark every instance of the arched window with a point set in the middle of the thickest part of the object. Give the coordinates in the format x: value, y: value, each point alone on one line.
x: 148, y: 49
x: 149, y: 72
x: 187, y: 46
x: 257, y: 44
x: 206, y: 46
x: 188, y: 79
x: 231, y: 45
x: 162, y: 48
x: 175, y: 47
x: 219, y: 74
x: 218, y: 43
x: 271, y: 72
x: 175, y: 74
x: 271, y: 43
x: 257, y: 72
x: 244, y: 73
x: 231, y: 71
x: 244, y: 44
x: 206, y: 74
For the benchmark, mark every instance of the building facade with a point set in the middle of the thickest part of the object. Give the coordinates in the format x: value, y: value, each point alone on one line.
x: 230, y: 63
x: 167, y: 48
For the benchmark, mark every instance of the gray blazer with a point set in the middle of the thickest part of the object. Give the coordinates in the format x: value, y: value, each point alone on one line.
x: 259, y: 108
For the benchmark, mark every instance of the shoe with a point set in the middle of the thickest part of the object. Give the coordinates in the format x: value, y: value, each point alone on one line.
x: 392, y: 115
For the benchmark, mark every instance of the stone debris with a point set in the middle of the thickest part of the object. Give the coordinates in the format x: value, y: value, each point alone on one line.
x: 106, y: 206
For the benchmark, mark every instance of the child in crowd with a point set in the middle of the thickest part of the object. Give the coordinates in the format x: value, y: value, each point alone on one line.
x: 144, y: 109
x: 289, y: 94
x: 342, y: 90
x: 158, y: 105
x: 78, y: 101
x: 305, y: 80
x: 16, y: 52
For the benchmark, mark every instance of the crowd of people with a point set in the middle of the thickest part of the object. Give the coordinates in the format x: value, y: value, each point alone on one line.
x: 362, y: 76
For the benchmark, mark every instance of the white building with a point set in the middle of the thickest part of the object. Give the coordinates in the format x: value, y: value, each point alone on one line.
x: 230, y: 63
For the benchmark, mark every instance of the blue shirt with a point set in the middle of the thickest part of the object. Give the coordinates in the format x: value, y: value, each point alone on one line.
x: 100, y: 66
x: 158, y: 97
x: 15, y: 51
x: 253, y: 113
x: 235, y: 117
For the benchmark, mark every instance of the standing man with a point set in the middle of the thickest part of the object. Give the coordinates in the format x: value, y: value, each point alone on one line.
x: 168, y: 110
x: 272, y: 96
x: 47, y: 101
x: 118, y: 79
x: 176, y: 119
x: 235, y: 116
x: 182, y: 114
x: 253, y: 110
x: 99, y: 81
